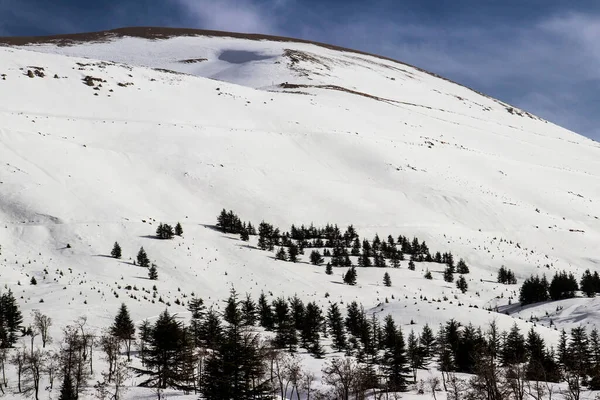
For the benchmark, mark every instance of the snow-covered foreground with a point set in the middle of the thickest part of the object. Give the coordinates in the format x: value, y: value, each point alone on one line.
x: 351, y: 139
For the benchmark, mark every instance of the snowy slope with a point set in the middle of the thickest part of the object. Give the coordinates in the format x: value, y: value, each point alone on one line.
x: 351, y: 139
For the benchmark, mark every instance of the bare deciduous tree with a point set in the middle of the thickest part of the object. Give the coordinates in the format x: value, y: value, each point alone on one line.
x: 42, y: 324
x: 342, y: 374
x: 3, y: 359
x: 110, y: 346
x: 307, y: 381
x: 18, y: 360
x: 33, y: 368
x: 433, y: 384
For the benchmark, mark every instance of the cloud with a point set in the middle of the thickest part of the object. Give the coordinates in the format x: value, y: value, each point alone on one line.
x: 236, y: 15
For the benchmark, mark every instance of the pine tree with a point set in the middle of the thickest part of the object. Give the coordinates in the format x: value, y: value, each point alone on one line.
x: 414, y: 354
x: 211, y: 331
x: 67, y: 392
x: 311, y: 327
x: 167, y: 355
x: 123, y: 328
x: 116, y: 251
x: 513, y: 348
x: 427, y: 344
x: 387, y: 281
x: 411, y: 265
x: 350, y: 276
x: 33, y: 281
x: 449, y: 274
x: 316, y: 258
x: 461, y: 267
x: 587, y: 284
x: 244, y: 235
x: 249, y: 311
x: 153, y: 272
x: 329, y: 269
x: 197, y: 310
x: 461, y: 284
x: 142, y: 258
x: 578, y: 351
x: 562, y: 350
x: 11, y: 320
x: 335, y: 324
x: 178, y: 229
x: 428, y: 275
x: 265, y: 312
x: 395, y: 362
x: 281, y: 254
x: 164, y: 231
x: 293, y: 252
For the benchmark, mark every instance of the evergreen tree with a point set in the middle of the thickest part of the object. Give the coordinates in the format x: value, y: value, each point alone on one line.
x: 428, y: 275
x: 211, y: 331
x: 153, y: 272
x: 116, y: 251
x: 461, y: 284
x: 167, y: 354
x: 233, y: 314
x: 142, y: 258
x: 281, y: 254
x: 196, y: 307
x: 293, y: 252
x: 265, y: 312
x: 594, y: 359
x: 236, y: 369
x: 578, y: 351
x: 335, y: 324
x: 244, y: 235
x: 461, y: 267
x: 414, y: 354
x: 164, y: 231
x: 11, y: 320
x: 329, y: 269
x: 67, y: 392
x: 33, y: 281
x: 178, y: 229
x: 311, y: 327
x: 395, y: 362
x: 350, y: 276
x: 562, y: 350
x: 387, y: 281
x: 249, y: 311
x: 411, y: 265
x: 297, y: 311
x: 427, y: 345
x: 587, y: 284
x: 449, y: 274
x: 534, y: 290
x: 563, y: 286
x: 123, y: 328
x: 316, y: 258
x: 513, y: 349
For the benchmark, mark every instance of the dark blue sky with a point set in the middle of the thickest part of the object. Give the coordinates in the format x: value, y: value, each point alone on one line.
x: 541, y: 55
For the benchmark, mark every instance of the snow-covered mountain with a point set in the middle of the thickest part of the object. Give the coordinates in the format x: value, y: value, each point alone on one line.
x: 103, y: 136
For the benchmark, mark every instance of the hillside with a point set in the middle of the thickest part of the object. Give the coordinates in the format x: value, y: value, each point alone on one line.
x: 116, y: 133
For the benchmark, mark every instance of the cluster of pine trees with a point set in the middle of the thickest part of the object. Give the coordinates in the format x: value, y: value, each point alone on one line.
x: 165, y: 231
x: 590, y: 283
x: 229, y: 222
x: 563, y: 286
x: 338, y: 247
x: 506, y: 276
